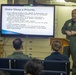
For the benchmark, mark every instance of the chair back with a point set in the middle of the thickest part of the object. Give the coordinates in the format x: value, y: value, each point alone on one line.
x: 4, y: 63
x: 47, y: 72
x: 13, y: 71
x: 19, y: 63
x: 55, y: 65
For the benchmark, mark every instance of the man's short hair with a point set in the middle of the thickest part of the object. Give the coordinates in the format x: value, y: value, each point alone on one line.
x: 33, y: 67
x: 17, y: 43
x: 56, y: 45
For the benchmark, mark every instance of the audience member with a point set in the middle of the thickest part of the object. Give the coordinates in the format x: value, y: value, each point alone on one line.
x: 17, y: 45
x: 55, y: 55
x: 33, y: 67
x: 4, y: 73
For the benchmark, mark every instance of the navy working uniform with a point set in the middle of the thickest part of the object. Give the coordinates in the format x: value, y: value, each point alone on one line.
x: 18, y: 55
x: 70, y: 25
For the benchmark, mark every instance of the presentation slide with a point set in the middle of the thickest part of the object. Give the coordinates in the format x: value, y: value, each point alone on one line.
x: 28, y: 20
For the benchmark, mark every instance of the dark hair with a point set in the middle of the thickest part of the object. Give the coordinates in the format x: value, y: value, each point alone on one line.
x: 56, y: 45
x: 4, y: 73
x: 17, y: 43
x: 34, y: 67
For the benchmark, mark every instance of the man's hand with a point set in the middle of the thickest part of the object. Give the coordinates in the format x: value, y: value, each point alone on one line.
x: 73, y: 32
x: 69, y: 33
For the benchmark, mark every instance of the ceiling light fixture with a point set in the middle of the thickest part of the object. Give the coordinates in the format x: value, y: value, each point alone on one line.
x: 60, y: 0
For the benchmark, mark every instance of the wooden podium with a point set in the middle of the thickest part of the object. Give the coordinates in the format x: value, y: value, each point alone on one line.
x: 63, y: 41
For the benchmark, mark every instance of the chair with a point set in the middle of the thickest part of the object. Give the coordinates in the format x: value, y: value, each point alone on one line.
x: 55, y: 65
x: 4, y: 63
x: 12, y: 63
x: 18, y: 63
x: 47, y: 72
x: 13, y: 71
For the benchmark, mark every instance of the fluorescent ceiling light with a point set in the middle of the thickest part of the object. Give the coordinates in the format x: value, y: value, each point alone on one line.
x: 60, y: 0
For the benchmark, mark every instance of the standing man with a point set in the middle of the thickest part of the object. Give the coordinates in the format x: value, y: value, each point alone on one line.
x: 69, y: 29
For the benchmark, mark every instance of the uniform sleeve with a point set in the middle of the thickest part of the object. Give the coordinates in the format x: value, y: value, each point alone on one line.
x: 64, y: 28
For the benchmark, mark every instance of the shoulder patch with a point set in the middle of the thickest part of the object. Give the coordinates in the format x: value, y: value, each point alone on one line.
x: 69, y: 24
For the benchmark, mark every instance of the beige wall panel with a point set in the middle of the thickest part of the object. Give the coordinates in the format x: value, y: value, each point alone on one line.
x: 3, y: 1
x: 38, y: 42
x: 20, y: 1
x: 10, y: 48
x: 43, y: 1
x: 38, y: 55
x: 39, y: 49
x: 7, y: 53
x: 9, y: 41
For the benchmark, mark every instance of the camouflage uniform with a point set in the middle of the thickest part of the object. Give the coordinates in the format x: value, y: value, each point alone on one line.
x: 70, y: 25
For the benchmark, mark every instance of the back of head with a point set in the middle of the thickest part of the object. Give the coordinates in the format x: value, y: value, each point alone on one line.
x: 33, y: 67
x: 17, y: 43
x: 56, y: 45
x: 4, y: 73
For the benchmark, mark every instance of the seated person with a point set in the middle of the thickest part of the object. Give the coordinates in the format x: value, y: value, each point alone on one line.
x: 17, y: 45
x: 33, y: 67
x: 56, y: 46
x: 4, y: 73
